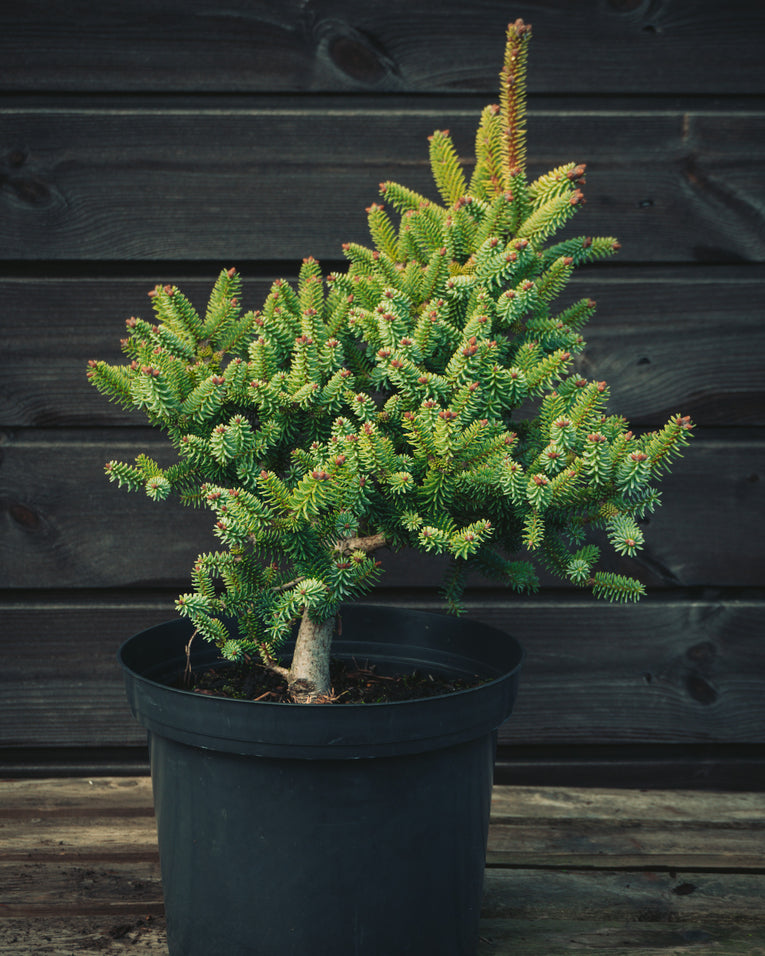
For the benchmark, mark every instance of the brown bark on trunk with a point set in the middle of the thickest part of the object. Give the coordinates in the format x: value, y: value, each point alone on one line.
x: 308, y: 680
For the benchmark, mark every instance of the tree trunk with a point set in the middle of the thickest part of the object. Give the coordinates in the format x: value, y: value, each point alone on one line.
x: 308, y: 680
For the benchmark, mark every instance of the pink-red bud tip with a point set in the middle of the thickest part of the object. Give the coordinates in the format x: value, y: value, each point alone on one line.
x: 519, y: 28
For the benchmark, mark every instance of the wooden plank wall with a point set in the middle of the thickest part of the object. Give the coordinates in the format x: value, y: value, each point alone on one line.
x: 161, y: 141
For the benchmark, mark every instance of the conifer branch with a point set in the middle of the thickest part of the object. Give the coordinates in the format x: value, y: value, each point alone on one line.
x: 512, y: 100
x: 389, y: 396
x: 271, y: 663
x: 366, y: 545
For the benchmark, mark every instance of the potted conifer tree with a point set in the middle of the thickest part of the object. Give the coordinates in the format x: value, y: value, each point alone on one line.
x: 425, y: 398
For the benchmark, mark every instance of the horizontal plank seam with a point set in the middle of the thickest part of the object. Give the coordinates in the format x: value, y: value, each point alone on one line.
x: 83, y: 813
x: 71, y: 856
x: 414, y: 104
x: 52, y: 272
x: 521, y: 822
x: 585, y: 823
x: 687, y: 867
x: 69, y: 908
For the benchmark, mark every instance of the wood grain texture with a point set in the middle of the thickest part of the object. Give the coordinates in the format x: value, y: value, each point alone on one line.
x: 83, y: 838
x: 134, y: 888
x: 86, y: 841
x: 186, y: 181
x: 624, y: 847
x: 599, y: 894
x: 115, y: 933
x: 101, y: 795
x: 81, y: 872
x: 116, y: 796
x: 677, y: 46
x: 668, y: 671
x: 728, y: 767
x: 625, y: 937
x: 65, y: 525
x: 509, y: 805
x: 666, y: 339
x: 111, y: 934
x: 125, y: 887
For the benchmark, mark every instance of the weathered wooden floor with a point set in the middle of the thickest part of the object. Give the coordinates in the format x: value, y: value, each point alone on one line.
x: 569, y: 871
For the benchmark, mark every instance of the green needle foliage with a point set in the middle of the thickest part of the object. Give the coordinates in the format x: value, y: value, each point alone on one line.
x: 424, y: 398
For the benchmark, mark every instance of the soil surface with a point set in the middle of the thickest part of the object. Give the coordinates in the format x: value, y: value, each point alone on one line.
x: 352, y: 683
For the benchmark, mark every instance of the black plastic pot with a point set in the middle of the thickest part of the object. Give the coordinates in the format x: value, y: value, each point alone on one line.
x: 346, y: 829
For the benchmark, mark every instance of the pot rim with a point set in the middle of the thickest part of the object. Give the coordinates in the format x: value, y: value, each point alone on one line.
x: 460, y: 647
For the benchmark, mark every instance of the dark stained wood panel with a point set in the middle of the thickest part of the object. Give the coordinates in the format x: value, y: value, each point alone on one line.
x: 281, y: 181
x: 670, y: 670
x: 665, y: 339
x: 675, y: 46
x: 60, y: 531
x: 65, y: 526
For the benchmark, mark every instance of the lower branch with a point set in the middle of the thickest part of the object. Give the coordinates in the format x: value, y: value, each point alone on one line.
x: 367, y: 545
x: 273, y: 665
